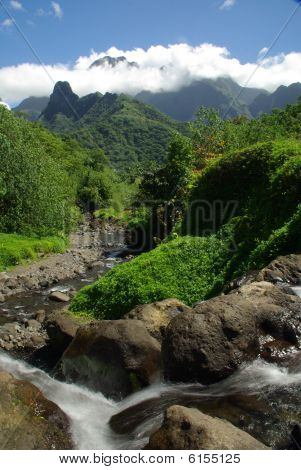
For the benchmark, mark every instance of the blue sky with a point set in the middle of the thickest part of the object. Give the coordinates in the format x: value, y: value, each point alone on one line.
x: 244, y: 29
x: 63, y: 31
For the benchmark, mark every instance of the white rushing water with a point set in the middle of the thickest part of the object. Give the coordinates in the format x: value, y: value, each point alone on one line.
x: 89, y: 412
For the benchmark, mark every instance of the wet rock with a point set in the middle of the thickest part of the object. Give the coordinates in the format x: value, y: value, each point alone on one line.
x: 33, y: 324
x: 116, y: 357
x: 2, y: 298
x: 61, y: 330
x: 209, y: 344
x: 44, y: 284
x: 158, y: 315
x: 40, y: 316
x: 283, y: 269
x: 59, y: 297
x: 188, y: 429
x: 28, y: 421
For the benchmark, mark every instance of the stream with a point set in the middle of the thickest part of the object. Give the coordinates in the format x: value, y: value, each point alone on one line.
x: 260, y: 398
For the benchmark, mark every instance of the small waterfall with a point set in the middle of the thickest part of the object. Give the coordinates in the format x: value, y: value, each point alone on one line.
x: 90, y: 412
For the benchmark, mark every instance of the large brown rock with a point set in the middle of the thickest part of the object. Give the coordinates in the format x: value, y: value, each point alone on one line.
x: 209, y: 344
x: 284, y: 269
x: 158, y: 315
x: 61, y: 330
x: 116, y: 357
x: 28, y: 421
x: 189, y: 429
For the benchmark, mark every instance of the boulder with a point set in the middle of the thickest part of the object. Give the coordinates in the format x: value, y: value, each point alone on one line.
x: 158, y: 315
x: 115, y: 357
x: 28, y: 421
x: 258, y: 319
x: 59, y: 297
x: 61, y: 330
x: 189, y: 429
x: 283, y: 269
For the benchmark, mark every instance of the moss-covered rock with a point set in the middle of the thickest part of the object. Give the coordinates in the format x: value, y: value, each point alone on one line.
x: 28, y: 421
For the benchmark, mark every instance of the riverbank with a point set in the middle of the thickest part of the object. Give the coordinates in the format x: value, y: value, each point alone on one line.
x: 224, y: 366
x: 86, y: 247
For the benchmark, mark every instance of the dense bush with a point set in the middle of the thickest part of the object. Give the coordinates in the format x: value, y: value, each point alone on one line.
x: 35, y: 194
x: 188, y: 268
x: 43, y: 179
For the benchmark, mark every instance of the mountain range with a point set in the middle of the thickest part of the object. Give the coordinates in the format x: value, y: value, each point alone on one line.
x: 223, y: 94
x: 128, y: 130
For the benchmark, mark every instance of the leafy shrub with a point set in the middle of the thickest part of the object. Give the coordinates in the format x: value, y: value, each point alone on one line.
x: 188, y: 268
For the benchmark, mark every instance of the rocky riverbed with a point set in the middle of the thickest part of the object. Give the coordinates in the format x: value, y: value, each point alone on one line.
x: 86, y: 251
x: 237, y: 357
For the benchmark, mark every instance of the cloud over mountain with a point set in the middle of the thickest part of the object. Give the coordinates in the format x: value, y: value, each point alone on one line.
x: 159, y: 68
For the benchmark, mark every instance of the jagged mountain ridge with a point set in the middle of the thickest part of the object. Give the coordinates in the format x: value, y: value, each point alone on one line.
x: 112, y: 62
x: 223, y: 94
x: 127, y: 130
x: 283, y: 96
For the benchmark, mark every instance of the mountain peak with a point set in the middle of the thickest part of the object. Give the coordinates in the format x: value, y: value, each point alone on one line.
x: 112, y: 62
x: 62, y: 100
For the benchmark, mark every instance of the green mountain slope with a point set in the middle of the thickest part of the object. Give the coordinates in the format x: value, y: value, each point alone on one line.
x: 223, y: 94
x: 33, y: 106
x: 283, y: 96
x: 127, y: 130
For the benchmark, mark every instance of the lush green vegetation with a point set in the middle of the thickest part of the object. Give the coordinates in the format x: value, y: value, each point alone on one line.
x: 128, y: 131
x: 44, y: 184
x: 16, y: 249
x: 187, y: 268
x: 264, y: 183
x: 44, y: 179
x: 234, y: 206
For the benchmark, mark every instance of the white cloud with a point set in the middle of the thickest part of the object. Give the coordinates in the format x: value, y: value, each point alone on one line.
x: 6, y: 23
x: 4, y: 104
x: 57, y: 10
x: 262, y: 53
x: 227, y: 4
x: 15, y: 5
x: 160, y: 69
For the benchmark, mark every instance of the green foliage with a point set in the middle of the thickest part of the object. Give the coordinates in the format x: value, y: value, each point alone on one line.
x: 264, y: 180
x: 264, y: 184
x: 16, y: 249
x: 36, y: 195
x: 129, y: 132
x: 186, y: 268
x: 208, y: 134
x: 43, y: 177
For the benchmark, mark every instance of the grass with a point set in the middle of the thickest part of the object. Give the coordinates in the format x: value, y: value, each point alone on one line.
x: 187, y: 268
x: 17, y: 249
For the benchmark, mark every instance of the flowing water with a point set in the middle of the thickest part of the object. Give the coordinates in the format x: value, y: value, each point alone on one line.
x: 90, y: 412
x: 261, y: 398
